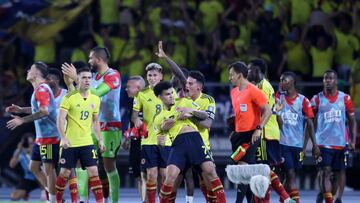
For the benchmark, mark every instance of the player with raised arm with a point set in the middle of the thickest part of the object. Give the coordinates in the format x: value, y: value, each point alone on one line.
x: 43, y: 112
x: 188, y: 148
x: 194, y: 85
x: 79, y: 113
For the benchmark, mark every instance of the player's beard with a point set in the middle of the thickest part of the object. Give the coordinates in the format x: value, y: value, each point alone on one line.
x: 328, y: 87
x: 94, y: 67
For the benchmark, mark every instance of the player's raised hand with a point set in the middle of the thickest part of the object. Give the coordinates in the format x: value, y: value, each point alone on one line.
x: 69, y: 70
x: 160, y: 53
x: 65, y: 143
x: 13, y: 109
x: 101, y: 145
x: 15, y: 122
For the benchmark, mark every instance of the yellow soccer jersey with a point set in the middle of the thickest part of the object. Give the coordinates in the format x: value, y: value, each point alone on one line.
x: 80, y: 113
x: 206, y: 103
x: 271, y: 129
x: 172, y: 113
x: 147, y: 102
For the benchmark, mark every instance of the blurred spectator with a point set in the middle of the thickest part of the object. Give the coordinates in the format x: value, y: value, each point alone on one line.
x: 109, y: 14
x: 210, y: 11
x: 300, y: 12
x: 269, y: 37
x: 22, y: 155
x: 294, y: 58
x: 347, y: 47
x: 46, y: 51
x: 82, y: 52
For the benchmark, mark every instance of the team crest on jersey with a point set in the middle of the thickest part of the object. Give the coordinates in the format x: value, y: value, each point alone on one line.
x: 340, y: 105
x: 92, y: 106
x: 243, y: 107
x: 143, y: 161
x: 62, y: 161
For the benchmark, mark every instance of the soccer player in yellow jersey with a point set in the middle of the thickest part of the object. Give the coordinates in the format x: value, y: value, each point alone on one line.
x: 154, y: 158
x: 79, y: 109
x: 194, y: 85
x: 188, y: 148
x: 269, y: 149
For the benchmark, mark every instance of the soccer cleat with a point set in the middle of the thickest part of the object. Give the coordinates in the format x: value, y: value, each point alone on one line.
x: 319, y: 198
x: 338, y: 201
x: 240, y: 152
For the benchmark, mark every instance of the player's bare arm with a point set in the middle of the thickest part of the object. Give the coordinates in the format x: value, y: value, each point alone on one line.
x: 311, y: 132
x: 175, y: 69
x: 265, y: 116
x: 136, y: 119
x: 61, y: 128
x: 17, y: 109
x: 17, y: 120
x: 352, y: 132
x: 96, y: 127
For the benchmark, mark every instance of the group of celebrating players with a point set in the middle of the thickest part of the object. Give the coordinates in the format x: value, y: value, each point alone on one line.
x: 79, y: 130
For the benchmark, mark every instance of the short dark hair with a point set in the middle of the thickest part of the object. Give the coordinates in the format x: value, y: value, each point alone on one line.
x: 83, y: 69
x: 80, y: 64
x: 331, y: 71
x: 56, y: 72
x: 260, y: 63
x: 198, y: 76
x: 239, y: 67
x: 161, y: 86
x: 42, y: 67
x: 101, y: 52
x: 290, y: 74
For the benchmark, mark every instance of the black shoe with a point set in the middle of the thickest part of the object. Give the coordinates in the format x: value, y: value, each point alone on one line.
x: 338, y: 201
x: 319, y: 198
